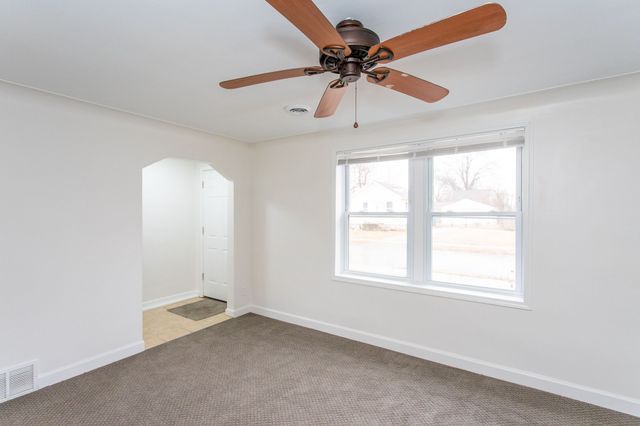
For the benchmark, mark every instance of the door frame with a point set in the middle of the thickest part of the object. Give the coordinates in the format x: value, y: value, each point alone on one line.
x: 230, y: 234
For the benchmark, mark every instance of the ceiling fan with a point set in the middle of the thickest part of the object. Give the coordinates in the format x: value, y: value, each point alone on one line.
x: 350, y: 50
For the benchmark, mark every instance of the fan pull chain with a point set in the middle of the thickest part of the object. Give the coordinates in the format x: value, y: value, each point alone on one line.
x: 355, y: 122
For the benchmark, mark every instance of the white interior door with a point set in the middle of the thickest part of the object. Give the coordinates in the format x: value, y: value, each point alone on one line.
x: 215, y: 208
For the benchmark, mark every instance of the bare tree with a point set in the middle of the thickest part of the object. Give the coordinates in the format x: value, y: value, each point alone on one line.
x: 502, y: 201
x: 445, y: 184
x: 469, y: 174
x: 461, y: 173
x: 361, y: 173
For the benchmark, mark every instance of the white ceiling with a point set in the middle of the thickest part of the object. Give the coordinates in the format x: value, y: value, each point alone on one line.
x: 164, y: 58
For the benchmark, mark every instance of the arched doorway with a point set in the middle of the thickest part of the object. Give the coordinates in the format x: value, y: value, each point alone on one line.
x: 187, y: 240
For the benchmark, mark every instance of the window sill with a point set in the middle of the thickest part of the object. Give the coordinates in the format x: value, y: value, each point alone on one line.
x: 436, y: 290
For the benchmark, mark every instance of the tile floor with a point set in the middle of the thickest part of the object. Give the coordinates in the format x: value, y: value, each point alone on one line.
x: 160, y: 325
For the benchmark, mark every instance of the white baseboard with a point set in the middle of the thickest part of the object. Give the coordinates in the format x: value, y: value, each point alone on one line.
x: 533, y: 380
x: 167, y: 300
x: 238, y: 311
x: 89, y: 364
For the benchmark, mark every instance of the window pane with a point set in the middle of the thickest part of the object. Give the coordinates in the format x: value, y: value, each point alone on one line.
x: 474, y: 251
x: 481, y: 181
x: 378, y: 245
x: 379, y: 187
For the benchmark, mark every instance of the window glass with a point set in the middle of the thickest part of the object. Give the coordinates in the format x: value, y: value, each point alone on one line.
x: 378, y: 245
x: 482, y: 181
x: 379, y: 187
x: 466, y: 232
x: 474, y: 251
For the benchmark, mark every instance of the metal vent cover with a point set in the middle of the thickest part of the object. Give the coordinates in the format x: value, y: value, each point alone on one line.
x: 297, y: 109
x: 3, y: 386
x: 21, y: 380
x: 17, y: 380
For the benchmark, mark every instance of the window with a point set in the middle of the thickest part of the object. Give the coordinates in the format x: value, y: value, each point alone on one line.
x: 377, y: 234
x: 439, y: 215
x: 473, y: 218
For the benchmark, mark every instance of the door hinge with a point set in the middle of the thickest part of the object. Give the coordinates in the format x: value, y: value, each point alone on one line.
x: 203, y: 276
x: 203, y: 230
x: 202, y: 184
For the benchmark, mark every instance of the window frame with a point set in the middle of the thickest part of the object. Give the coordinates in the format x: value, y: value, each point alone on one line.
x: 419, y: 241
x: 516, y: 215
x: 348, y: 214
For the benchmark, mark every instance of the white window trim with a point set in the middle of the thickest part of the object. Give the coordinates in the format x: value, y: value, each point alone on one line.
x: 415, y: 281
x: 347, y: 214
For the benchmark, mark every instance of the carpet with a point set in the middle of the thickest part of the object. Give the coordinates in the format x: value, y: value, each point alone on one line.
x: 257, y: 371
x: 201, y: 309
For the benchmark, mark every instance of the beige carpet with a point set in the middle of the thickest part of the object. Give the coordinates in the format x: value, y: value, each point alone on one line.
x: 257, y: 371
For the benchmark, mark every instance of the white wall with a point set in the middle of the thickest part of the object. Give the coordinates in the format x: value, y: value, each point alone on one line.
x: 71, y: 225
x: 170, y: 221
x: 71, y: 233
x: 583, y: 272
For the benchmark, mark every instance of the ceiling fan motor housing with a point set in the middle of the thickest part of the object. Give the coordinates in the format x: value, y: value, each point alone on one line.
x: 359, y: 39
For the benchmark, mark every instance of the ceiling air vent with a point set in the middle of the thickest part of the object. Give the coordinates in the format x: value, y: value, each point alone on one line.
x: 17, y: 381
x: 297, y: 109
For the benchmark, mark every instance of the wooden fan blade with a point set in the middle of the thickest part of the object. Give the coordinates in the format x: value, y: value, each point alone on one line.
x: 309, y: 19
x: 270, y: 76
x: 481, y: 20
x: 408, y: 84
x: 331, y: 99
